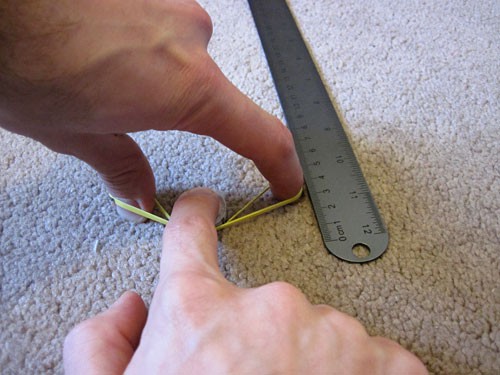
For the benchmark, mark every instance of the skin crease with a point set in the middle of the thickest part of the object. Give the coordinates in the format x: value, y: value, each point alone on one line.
x: 78, y: 76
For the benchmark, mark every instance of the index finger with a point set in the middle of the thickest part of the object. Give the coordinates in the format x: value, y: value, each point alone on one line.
x: 224, y: 113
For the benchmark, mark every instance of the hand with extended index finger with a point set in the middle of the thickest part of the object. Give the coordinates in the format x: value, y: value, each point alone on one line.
x: 201, y: 323
x: 79, y: 79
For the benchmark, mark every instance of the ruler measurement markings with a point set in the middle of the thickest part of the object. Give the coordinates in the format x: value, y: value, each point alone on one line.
x: 341, y: 199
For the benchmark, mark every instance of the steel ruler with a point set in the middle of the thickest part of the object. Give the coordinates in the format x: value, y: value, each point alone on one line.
x: 347, y: 215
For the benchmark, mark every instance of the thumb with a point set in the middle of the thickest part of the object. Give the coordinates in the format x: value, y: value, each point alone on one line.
x: 105, y: 344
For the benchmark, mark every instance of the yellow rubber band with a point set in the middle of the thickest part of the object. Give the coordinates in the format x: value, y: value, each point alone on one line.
x: 162, y: 210
x: 242, y: 209
x: 140, y: 212
x: 231, y: 221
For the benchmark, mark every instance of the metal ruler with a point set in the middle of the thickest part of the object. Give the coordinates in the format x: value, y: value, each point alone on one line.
x: 347, y: 215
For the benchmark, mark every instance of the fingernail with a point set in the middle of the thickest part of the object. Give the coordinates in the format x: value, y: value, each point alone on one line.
x: 221, y: 215
x: 127, y: 215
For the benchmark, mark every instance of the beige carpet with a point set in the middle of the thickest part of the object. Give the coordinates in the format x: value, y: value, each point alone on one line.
x: 418, y: 83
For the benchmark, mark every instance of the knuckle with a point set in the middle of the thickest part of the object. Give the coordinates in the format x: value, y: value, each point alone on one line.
x: 354, y: 325
x: 284, y: 302
x: 346, y: 323
x: 417, y: 367
x: 201, y: 17
x: 202, y: 83
x: 189, y: 13
x: 285, y: 148
x: 282, y: 288
x: 283, y: 294
x: 398, y: 358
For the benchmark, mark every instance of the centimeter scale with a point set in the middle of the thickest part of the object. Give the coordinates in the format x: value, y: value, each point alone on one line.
x: 347, y: 215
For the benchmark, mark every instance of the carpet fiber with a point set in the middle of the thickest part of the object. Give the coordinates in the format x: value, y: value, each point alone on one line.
x: 417, y: 84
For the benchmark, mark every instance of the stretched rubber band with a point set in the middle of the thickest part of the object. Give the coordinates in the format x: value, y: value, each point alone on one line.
x: 235, y: 219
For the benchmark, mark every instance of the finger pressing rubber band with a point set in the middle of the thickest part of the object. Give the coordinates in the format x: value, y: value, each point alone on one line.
x: 235, y: 219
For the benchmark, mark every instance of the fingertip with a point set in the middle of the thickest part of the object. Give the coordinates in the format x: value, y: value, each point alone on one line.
x: 200, y: 201
x: 193, y: 217
x: 286, y: 171
x: 289, y: 190
x: 130, y: 307
x: 117, y: 330
x: 222, y: 213
x: 128, y: 215
x: 129, y: 299
x: 190, y: 237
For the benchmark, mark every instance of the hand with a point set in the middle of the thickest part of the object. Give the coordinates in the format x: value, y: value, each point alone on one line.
x: 199, y: 323
x: 79, y: 78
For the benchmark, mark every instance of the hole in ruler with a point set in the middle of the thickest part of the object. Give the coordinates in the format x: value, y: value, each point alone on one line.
x: 360, y: 251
